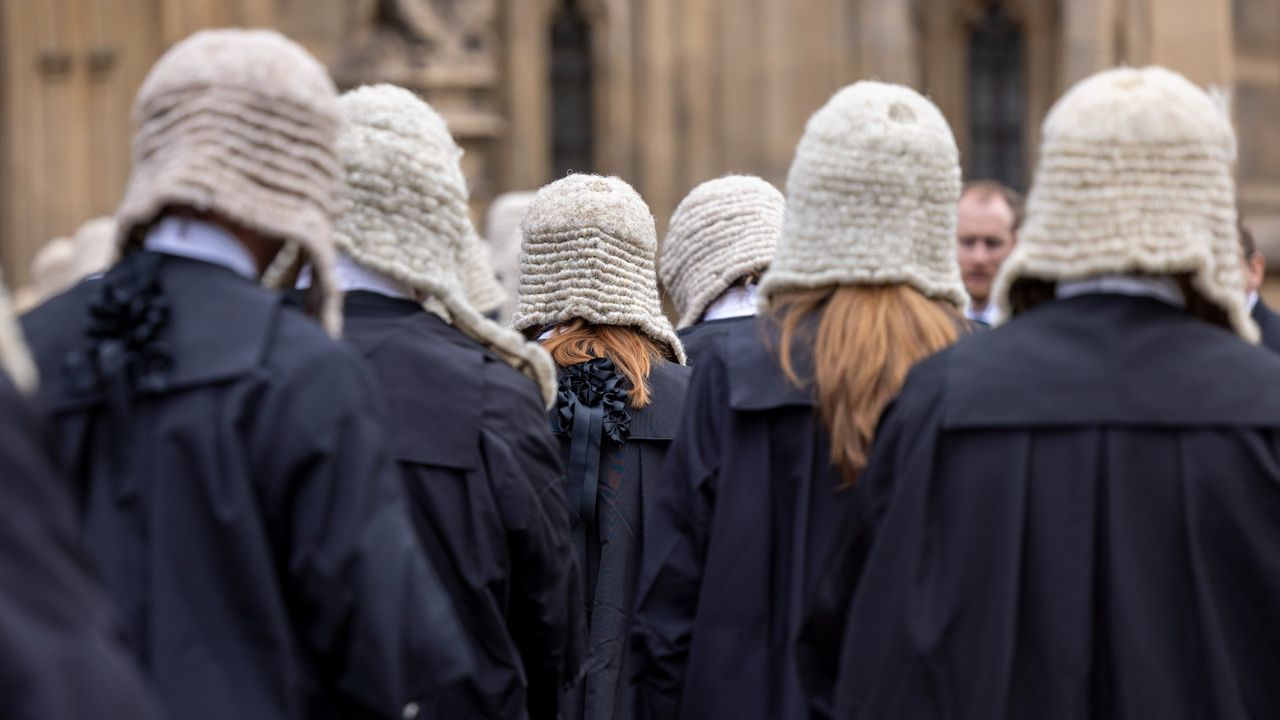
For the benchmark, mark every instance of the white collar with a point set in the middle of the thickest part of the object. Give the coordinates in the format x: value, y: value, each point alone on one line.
x: 351, y: 275
x: 203, y: 241
x: 990, y: 314
x: 1164, y: 289
x: 1251, y: 301
x: 737, y: 301
x: 551, y: 332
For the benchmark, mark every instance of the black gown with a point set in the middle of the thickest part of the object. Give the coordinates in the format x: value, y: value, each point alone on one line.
x: 699, y: 339
x: 608, y: 535
x: 483, y: 474
x: 750, y: 497
x: 62, y: 655
x: 230, y: 467
x: 1268, y: 324
x: 1076, y: 515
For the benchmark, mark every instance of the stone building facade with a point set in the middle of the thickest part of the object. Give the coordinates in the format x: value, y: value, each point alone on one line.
x: 665, y: 93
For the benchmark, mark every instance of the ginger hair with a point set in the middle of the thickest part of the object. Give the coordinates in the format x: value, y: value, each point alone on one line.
x: 632, y: 352
x: 867, y: 338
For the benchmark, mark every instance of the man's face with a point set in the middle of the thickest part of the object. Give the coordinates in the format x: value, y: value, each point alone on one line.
x: 1254, y: 268
x: 985, y: 240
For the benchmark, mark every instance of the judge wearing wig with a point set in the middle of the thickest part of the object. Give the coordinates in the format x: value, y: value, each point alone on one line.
x: 1078, y: 514
x: 782, y: 411
x: 589, y: 292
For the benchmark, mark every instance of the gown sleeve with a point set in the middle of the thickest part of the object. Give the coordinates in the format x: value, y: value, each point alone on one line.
x: 822, y: 632
x: 675, y: 544
x: 911, y: 417
x: 547, y: 623
x: 368, y: 602
x: 62, y: 655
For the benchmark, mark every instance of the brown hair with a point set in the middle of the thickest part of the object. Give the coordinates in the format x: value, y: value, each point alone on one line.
x: 867, y: 338
x: 632, y: 352
x: 984, y: 190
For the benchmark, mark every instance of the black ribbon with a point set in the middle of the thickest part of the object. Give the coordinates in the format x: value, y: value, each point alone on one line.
x: 591, y: 403
x: 123, y: 355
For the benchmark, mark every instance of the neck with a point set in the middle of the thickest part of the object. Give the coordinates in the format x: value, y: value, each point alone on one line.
x: 203, y: 240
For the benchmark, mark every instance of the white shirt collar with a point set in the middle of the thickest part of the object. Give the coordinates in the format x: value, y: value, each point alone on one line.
x: 1164, y: 289
x: 354, y: 276
x: 1251, y: 300
x: 203, y: 241
x: 735, y: 302
x: 989, y: 314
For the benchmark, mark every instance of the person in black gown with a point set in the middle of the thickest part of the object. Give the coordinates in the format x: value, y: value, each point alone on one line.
x: 781, y: 411
x: 1255, y: 271
x: 62, y: 652
x: 719, y: 242
x: 1077, y: 514
x: 467, y: 407
x: 589, y: 291
x: 228, y: 456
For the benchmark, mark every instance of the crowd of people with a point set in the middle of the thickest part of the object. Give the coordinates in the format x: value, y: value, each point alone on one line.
x: 909, y: 449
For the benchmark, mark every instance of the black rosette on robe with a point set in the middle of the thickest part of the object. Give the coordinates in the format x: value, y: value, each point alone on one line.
x: 591, y: 403
x: 122, y: 340
x: 123, y: 353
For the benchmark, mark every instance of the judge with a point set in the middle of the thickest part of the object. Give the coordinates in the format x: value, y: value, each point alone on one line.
x: 1255, y: 271
x: 1075, y: 515
x: 588, y: 289
x: 227, y: 454
x: 467, y: 407
x: 781, y: 411
x: 719, y: 242
x: 62, y: 656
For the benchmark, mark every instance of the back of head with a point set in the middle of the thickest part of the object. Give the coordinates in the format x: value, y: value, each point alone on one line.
x: 406, y: 213
x: 95, y: 246
x: 871, y: 197
x: 722, y: 231
x: 1134, y: 177
x: 588, y: 254
x: 53, y: 269
x: 502, y: 233
x: 15, y: 358
x: 865, y: 274
x: 239, y: 124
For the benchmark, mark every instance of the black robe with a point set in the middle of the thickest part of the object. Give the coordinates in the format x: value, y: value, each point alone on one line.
x: 608, y: 548
x: 483, y: 474
x: 1268, y: 323
x: 1076, y: 515
x: 238, y: 497
x: 62, y: 656
x: 700, y: 337
x: 749, y: 498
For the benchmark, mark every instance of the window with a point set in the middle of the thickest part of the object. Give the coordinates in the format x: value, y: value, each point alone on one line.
x: 997, y: 99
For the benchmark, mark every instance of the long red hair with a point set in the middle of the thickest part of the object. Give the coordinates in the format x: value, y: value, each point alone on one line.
x: 633, y: 353
x: 867, y: 338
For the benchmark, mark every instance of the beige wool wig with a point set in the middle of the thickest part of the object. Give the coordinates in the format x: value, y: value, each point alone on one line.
x: 723, y: 230
x: 15, y: 358
x: 406, y: 215
x: 588, y: 252
x: 1134, y: 177
x: 240, y: 124
x: 871, y: 197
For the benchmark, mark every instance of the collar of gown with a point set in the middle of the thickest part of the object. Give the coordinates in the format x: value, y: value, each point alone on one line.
x: 989, y: 315
x: 354, y: 276
x: 203, y: 241
x: 1164, y: 289
x: 737, y: 301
